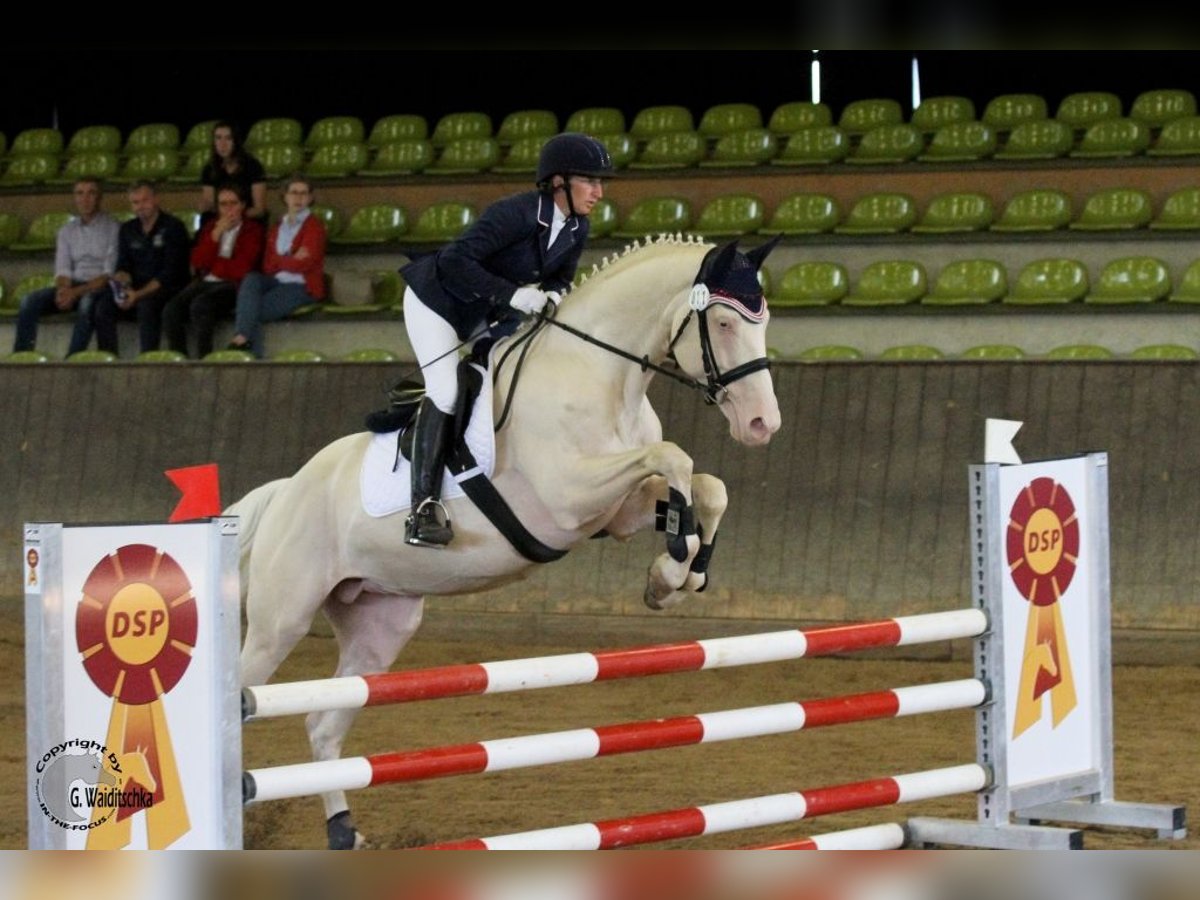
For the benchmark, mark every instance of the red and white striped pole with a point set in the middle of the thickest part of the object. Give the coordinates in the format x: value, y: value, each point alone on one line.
x: 717, y: 818
x: 304, y: 779
x: 889, y: 836
x: 353, y: 692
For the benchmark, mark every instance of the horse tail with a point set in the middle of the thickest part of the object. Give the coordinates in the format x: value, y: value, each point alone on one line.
x: 249, y: 509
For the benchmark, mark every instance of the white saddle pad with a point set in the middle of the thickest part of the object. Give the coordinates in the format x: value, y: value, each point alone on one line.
x: 385, y: 492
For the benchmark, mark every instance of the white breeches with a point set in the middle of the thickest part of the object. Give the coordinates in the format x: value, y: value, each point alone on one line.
x: 434, y: 341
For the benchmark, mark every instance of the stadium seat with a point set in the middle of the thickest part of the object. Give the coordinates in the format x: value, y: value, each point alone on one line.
x: 1038, y: 139
x: 199, y: 137
x: 25, y: 356
x: 335, y: 130
x: 934, y: 113
x: 602, y: 221
x: 402, y: 157
x: 371, y: 354
x: 968, y: 282
x: 816, y: 145
x: 150, y: 165
x: 1006, y: 111
x: 812, y: 283
x: 30, y: 169
x: 1113, y: 138
x: 621, y: 147
x: 42, y: 232
x: 229, y: 355
x: 337, y: 160
x: 726, y: 118
x: 457, y: 126
x: 798, y: 114
x: 95, y: 139
x: 888, y: 282
x: 153, y: 136
x: 160, y: 356
x: 298, y: 355
x: 860, y: 116
x: 522, y: 155
x: 92, y: 356
x: 1053, y: 280
x: 830, y: 353
x: 956, y: 211
x: 1187, y: 289
x: 387, y: 289
x: 1131, y: 279
x: 896, y: 143
x: 526, y: 123
x: 596, y: 120
x: 960, y: 142
x: 27, y: 285
x: 99, y: 164
x: 190, y: 219
x: 911, y: 352
x: 37, y: 142
x: 193, y: 165
x: 1165, y: 352
x: 804, y: 214
x: 1115, y: 209
x: 1079, y: 111
x: 673, y: 150
x: 10, y: 229
x: 1180, y: 211
x: 993, y: 352
x: 1159, y: 107
x: 880, y: 213
x: 730, y: 215
x: 656, y: 215
x: 271, y: 131
x: 1038, y: 209
x: 1179, y: 137
x: 651, y: 121
x: 399, y: 127
x: 466, y: 156
x: 373, y: 224
x: 1079, y: 351
x: 441, y: 222
x: 279, y: 160
x: 751, y: 147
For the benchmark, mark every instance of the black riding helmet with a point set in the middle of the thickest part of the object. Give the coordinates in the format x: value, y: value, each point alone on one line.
x: 571, y: 153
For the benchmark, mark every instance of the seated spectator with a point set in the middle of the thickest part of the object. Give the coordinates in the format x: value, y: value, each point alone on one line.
x: 293, y: 271
x: 152, y: 266
x: 84, y: 257
x: 230, y: 163
x: 228, y: 247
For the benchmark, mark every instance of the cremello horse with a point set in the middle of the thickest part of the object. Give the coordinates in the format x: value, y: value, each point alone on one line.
x: 581, y: 452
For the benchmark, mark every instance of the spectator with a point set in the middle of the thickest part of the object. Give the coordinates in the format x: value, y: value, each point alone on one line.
x: 152, y: 265
x: 231, y: 163
x: 293, y: 272
x: 228, y: 247
x: 84, y: 257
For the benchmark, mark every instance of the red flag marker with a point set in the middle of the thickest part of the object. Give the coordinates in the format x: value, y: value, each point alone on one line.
x: 201, y: 492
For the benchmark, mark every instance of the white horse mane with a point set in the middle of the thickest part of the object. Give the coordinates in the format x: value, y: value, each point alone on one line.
x: 602, y: 269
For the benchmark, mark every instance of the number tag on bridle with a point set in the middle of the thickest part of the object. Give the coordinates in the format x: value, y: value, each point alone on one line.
x: 698, y: 299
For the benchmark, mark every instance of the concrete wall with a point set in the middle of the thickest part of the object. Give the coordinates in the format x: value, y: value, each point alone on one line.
x: 858, y: 509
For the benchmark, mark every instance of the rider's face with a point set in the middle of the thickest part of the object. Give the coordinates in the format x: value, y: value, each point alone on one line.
x: 585, y: 192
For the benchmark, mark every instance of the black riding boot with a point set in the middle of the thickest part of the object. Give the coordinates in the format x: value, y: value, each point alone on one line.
x: 428, y: 525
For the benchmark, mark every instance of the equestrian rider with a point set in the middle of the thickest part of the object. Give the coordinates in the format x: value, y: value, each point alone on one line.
x: 521, y: 254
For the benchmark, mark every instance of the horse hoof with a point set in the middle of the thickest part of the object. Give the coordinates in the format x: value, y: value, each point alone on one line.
x: 342, y: 834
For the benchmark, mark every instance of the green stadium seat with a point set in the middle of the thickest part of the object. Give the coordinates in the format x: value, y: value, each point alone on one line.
x: 26, y: 356
x: 726, y: 118
x: 161, y: 356
x: 830, y: 353
x: 1006, y: 111
x: 1115, y: 209
x: 896, y: 143
x: 337, y: 160
x: 1164, y: 351
x: 522, y: 155
x: 730, y: 215
x: 1180, y: 211
x: 153, y: 136
x: 1083, y: 109
x: 816, y: 145
x: 812, y: 283
x: 149, y: 165
x: 960, y: 142
x: 880, y: 213
x: 888, y: 282
x: 92, y: 356
x: 42, y: 233
x: 229, y: 355
x: 621, y: 147
x: 993, y: 352
x: 1187, y: 289
x: 596, y: 120
x: 280, y: 160
x: 375, y: 223
x: 956, y: 211
x: 968, y: 282
x: 335, y: 130
x: 298, y: 355
x: 399, y: 127
x: 331, y: 218
x: 526, y: 123
x: 673, y: 150
x: 804, y: 214
x: 30, y: 169
x: 1113, y: 139
x: 751, y: 147
x: 441, y: 222
x: 387, y: 289
x: 1079, y: 351
x: 371, y: 354
x: 10, y: 229
x: 1037, y: 209
x: 199, y: 137
x: 656, y: 215
x: 95, y: 139
x: 602, y: 221
x: 1038, y: 139
x: 651, y: 121
x: 797, y: 114
x: 860, y: 116
x: 1159, y: 107
x: 466, y: 156
x: 99, y: 164
x: 402, y: 157
x: 271, y: 131
x: 935, y: 113
x: 911, y: 352
x: 1054, y: 280
x: 37, y: 142
x: 26, y: 285
x: 192, y: 167
x: 1179, y: 137
x: 457, y: 126
x: 1131, y: 279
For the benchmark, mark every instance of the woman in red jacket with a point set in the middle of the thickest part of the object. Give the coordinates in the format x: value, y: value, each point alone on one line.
x: 228, y: 247
x: 293, y: 272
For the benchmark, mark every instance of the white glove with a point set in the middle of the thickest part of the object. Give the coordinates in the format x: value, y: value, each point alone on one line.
x: 529, y: 300
x: 555, y: 298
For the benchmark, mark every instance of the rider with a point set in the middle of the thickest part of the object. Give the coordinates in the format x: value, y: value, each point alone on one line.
x: 521, y: 253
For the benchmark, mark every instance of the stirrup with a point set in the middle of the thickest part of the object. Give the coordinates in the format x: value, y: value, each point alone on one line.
x: 423, y: 527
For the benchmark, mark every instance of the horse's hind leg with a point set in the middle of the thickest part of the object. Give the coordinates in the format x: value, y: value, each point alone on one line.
x: 371, y: 631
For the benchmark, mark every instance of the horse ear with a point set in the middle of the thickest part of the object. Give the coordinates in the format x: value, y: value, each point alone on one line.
x: 718, y: 260
x: 760, y: 253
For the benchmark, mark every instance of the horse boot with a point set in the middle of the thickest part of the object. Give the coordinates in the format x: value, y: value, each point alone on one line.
x: 424, y: 527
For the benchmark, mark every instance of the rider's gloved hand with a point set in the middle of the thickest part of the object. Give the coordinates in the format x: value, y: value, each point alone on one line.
x: 555, y: 298
x: 529, y: 300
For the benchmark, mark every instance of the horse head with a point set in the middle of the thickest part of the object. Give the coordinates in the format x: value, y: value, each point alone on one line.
x: 730, y: 355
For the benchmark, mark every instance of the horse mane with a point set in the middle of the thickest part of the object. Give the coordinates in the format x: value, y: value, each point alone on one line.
x: 631, y: 253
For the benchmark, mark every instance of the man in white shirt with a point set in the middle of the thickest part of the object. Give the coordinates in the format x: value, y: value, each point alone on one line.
x: 84, y: 259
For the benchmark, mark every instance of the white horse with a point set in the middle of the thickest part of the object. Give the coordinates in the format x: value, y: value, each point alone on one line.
x: 581, y: 452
